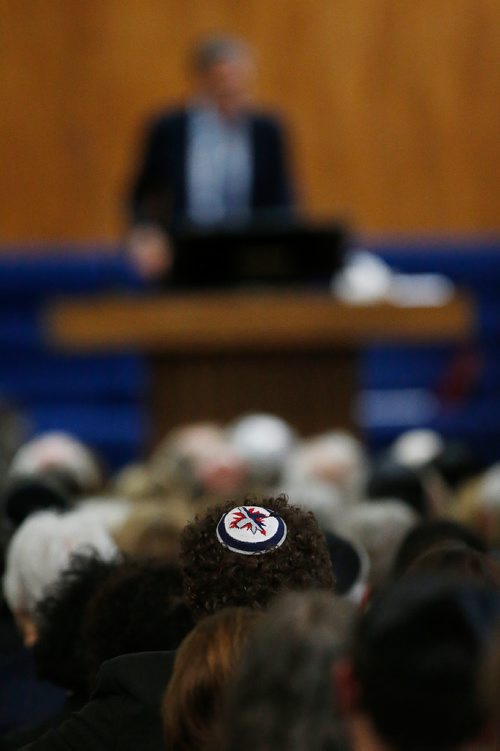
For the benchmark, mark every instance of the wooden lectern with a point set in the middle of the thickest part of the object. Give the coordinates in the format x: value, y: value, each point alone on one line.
x: 217, y: 355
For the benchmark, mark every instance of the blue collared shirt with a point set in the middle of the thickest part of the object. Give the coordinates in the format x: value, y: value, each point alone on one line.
x: 219, y: 167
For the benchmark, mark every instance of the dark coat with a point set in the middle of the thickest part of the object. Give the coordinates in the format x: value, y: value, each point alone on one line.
x: 123, y: 713
x: 24, y: 700
x: 159, y: 193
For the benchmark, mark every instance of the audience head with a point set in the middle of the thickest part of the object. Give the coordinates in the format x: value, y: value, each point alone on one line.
x: 322, y: 498
x: 457, y: 559
x: 489, y: 490
x: 425, y: 449
x: 39, y: 551
x: 416, y: 658
x: 134, y: 481
x: 203, y: 667
x: 265, y: 442
x: 416, y: 448
x: 281, y: 697
x: 153, y: 530
x: 59, y: 616
x: 351, y: 565
x: 242, y: 555
x: 196, y: 460
x: 139, y: 608
x: 427, y: 534
x: 51, y: 472
x: 389, y: 479
x: 24, y: 495
x: 335, y: 458
x: 456, y: 463
x: 61, y: 452
x: 486, y: 518
x: 380, y: 528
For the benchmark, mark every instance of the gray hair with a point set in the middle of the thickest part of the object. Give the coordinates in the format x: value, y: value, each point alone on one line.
x: 334, y: 457
x: 265, y: 442
x: 323, y: 499
x: 216, y: 49
x: 284, y: 678
x: 380, y: 526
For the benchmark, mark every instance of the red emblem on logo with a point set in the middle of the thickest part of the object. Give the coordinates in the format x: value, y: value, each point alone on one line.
x: 248, y: 518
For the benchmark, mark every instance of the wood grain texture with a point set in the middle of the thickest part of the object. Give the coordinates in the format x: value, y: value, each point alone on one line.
x: 314, y: 390
x: 393, y: 105
x: 214, y: 356
x: 244, y: 322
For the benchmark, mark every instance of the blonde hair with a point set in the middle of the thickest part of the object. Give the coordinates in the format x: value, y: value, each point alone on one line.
x: 153, y: 529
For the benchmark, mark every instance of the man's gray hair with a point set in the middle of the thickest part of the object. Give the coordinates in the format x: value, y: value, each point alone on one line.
x: 217, y: 49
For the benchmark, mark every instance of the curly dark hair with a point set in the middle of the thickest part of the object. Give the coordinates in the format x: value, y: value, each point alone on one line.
x: 59, y: 651
x: 140, y: 608
x: 215, y: 577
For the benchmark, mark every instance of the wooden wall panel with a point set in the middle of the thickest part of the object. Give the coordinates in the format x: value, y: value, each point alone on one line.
x: 393, y: 105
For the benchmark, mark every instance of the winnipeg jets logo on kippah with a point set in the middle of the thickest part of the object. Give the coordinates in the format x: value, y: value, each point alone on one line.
x: 249, y: 518
x: 251, y: 530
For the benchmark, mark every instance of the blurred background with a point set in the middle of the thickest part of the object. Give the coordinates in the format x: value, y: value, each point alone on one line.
x: 130, y: 405
x: 392, y: 107
x: 392, y: 110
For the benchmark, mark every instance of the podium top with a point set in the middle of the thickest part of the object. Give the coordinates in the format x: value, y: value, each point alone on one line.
x: 241, y: 321
x: 282, y: 252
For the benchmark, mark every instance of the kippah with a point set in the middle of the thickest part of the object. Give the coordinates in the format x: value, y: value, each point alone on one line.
x: 349, y: 566
x: 26, y: 494
x: 251, y: 530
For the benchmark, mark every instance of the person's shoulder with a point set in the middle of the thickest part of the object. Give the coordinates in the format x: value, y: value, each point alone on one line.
x: 172, y: 114
x: 266, y: 118
x: 267, y: 123
x: 121, y: 713
x: 168, y: 120
x: 143, y: 676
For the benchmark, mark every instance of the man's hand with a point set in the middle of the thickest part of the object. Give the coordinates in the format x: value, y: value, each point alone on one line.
x: 149, y: 249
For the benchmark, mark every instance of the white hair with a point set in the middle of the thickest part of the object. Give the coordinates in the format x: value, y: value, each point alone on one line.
x: 488, y: 492
x: 335, y: 457
x: 323, y: 499
x: 415, y: 448
x: 264, y: 441
x: 380, y: 526
x: 197, y: 456
x: 58, y: 450
x: 40, y: 550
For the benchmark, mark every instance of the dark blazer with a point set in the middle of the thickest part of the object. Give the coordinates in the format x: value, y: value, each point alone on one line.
x: 159, y: 193
x: 123, y: 713
x: 24, y: 700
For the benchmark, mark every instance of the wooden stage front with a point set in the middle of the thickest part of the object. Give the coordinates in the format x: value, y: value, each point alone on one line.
x: 217, y: 355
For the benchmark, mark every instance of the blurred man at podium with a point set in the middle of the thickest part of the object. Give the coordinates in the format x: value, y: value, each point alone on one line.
x: 215, y: 160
